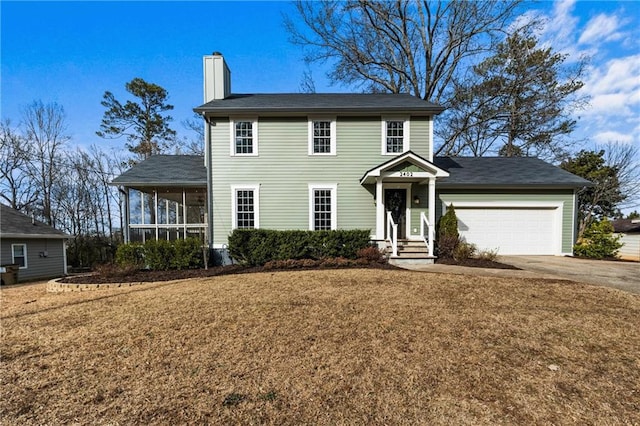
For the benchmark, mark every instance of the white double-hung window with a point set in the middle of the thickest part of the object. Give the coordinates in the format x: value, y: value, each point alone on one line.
x: 244, y: 137
x: 246, y: 206
x: 395, y: 135
x: 322, y: 136
x: 19, y: 255
x: 323, y: 202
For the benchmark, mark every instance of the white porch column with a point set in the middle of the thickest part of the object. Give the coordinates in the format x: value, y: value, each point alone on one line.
x: 432, y: 213
x: 379, y: 210
x: 155, y: 207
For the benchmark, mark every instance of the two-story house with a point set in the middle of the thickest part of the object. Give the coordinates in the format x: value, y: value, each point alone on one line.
x: 347, y: 161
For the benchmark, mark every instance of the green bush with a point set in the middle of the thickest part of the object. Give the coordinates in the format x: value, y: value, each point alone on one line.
x: 598, y: 241
x: 259, y: 246
x: 130, y: 255
x: 448, y: 238
x: 162, y: 254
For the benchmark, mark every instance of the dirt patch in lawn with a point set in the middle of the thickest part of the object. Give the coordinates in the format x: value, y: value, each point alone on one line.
x: 354, y: 346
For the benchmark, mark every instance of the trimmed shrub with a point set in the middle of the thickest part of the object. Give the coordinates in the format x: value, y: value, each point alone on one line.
x: 130, y: 255
x: 598, y: 241
x: 258, y: 246
x: 162, y: 255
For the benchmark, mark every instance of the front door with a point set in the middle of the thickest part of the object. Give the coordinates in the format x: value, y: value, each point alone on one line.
x: 395, y: 201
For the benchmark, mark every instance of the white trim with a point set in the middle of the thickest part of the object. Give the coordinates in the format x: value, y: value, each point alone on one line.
x: 256, y: 203
x: 24, y: 254
x: 558, y: 206
x: 515, y: 204
x: 406, y: 134
x: 232, y: 135
x: 334, y: 203
x: 332, y: 130
x: 430, y: 121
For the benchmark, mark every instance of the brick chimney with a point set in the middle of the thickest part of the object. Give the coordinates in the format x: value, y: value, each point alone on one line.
x: 217, y: 77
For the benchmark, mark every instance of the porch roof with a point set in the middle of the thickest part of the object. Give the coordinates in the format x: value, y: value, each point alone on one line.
x: 166, y: 171
x: 428, y: 169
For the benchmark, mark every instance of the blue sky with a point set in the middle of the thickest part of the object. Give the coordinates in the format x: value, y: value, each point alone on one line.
x: 71, y: 52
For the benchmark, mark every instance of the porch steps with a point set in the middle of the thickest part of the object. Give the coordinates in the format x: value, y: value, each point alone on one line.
x: 410, y: 253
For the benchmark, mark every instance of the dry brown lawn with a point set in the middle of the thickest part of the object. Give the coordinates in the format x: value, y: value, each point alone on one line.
x: 323, y: 347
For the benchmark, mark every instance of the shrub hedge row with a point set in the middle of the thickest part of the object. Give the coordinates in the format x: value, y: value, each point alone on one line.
x: 258, y: 246
x: 162, y: 255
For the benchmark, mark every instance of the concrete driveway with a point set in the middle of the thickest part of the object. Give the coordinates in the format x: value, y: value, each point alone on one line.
x: 620, y: 275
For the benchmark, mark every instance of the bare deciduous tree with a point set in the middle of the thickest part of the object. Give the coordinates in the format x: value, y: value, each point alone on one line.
x: 16, y: 187
x: 401, y: 46
x: 44, y: 130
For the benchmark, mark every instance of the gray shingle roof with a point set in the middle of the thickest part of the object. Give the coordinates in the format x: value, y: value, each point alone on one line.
x: 503, y: 171
x: 626, y: 225
x: 320, y: 103
x: 166, y: 170
x: 14, y: 224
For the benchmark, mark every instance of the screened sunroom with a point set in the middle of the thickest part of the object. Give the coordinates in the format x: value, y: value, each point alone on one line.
x: 165, y: 197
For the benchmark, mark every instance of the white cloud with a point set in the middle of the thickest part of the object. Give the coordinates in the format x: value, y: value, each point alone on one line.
x: 602, y: 28
x: 612, y: 136
x: 614, y: 88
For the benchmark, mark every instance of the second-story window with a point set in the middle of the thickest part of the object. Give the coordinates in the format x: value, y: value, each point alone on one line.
x: 244, y: 137
x: 322, y: 136
x: 395, y: 136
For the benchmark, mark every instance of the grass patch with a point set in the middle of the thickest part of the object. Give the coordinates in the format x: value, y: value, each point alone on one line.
x: 353, y: 346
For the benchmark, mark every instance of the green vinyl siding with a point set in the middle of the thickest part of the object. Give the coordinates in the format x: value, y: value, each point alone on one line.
x: 565, y: 196
x: 422, y: 191
x: 419, y: 134
x: 284, y: 169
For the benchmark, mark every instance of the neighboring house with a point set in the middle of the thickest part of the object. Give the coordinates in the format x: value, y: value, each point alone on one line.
x: 629, y: 232
x: 38, y: 249
x: 346, y: 161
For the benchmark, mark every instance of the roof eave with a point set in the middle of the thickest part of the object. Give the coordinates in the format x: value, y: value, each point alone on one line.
x: 472, y: 185
x: 172, y: 184
x: 221, y: 112
x: 35, y: 236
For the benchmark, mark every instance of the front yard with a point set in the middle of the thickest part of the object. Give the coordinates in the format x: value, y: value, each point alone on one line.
x: 354, y: 346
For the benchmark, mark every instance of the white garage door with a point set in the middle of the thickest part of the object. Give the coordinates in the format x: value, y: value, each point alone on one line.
x: 511, y: 230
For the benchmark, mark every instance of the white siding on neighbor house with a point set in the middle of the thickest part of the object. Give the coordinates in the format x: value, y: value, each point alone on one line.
x: 284, y: 169
x: 45, y: 257
x: 630, y: 249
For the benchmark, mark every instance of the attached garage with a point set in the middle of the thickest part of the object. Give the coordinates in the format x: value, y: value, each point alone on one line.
x: 516, y: 205
x: 512, y: 229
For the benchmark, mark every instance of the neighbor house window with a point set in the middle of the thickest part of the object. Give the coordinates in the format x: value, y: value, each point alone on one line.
x: 395, y: 136
x: 245, y: 206
x: 322, y: 207
x: 322, y: 136
x: 244, y: 137
x: 19, y: 255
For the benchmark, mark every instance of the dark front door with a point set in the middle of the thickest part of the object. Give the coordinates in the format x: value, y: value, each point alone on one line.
x: 395, y: 201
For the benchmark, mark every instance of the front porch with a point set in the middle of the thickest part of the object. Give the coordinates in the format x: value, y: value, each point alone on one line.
x: 405, y: 194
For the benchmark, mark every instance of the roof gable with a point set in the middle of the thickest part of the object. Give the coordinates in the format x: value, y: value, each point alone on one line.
x: 406, y: 162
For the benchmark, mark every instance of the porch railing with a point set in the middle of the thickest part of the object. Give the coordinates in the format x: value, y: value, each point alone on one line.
x: 427, y: 236
x: 392, y: 234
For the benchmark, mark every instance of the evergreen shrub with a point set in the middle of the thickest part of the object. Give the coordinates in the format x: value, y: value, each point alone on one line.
x: 256, y: 247
x: 598, y: 241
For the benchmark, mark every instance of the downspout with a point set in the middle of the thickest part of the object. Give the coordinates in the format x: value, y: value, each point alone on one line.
x: 208, y: 166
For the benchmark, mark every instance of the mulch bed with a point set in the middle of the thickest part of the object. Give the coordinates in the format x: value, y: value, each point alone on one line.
x: 170, y: 275
x: 476, y: 263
